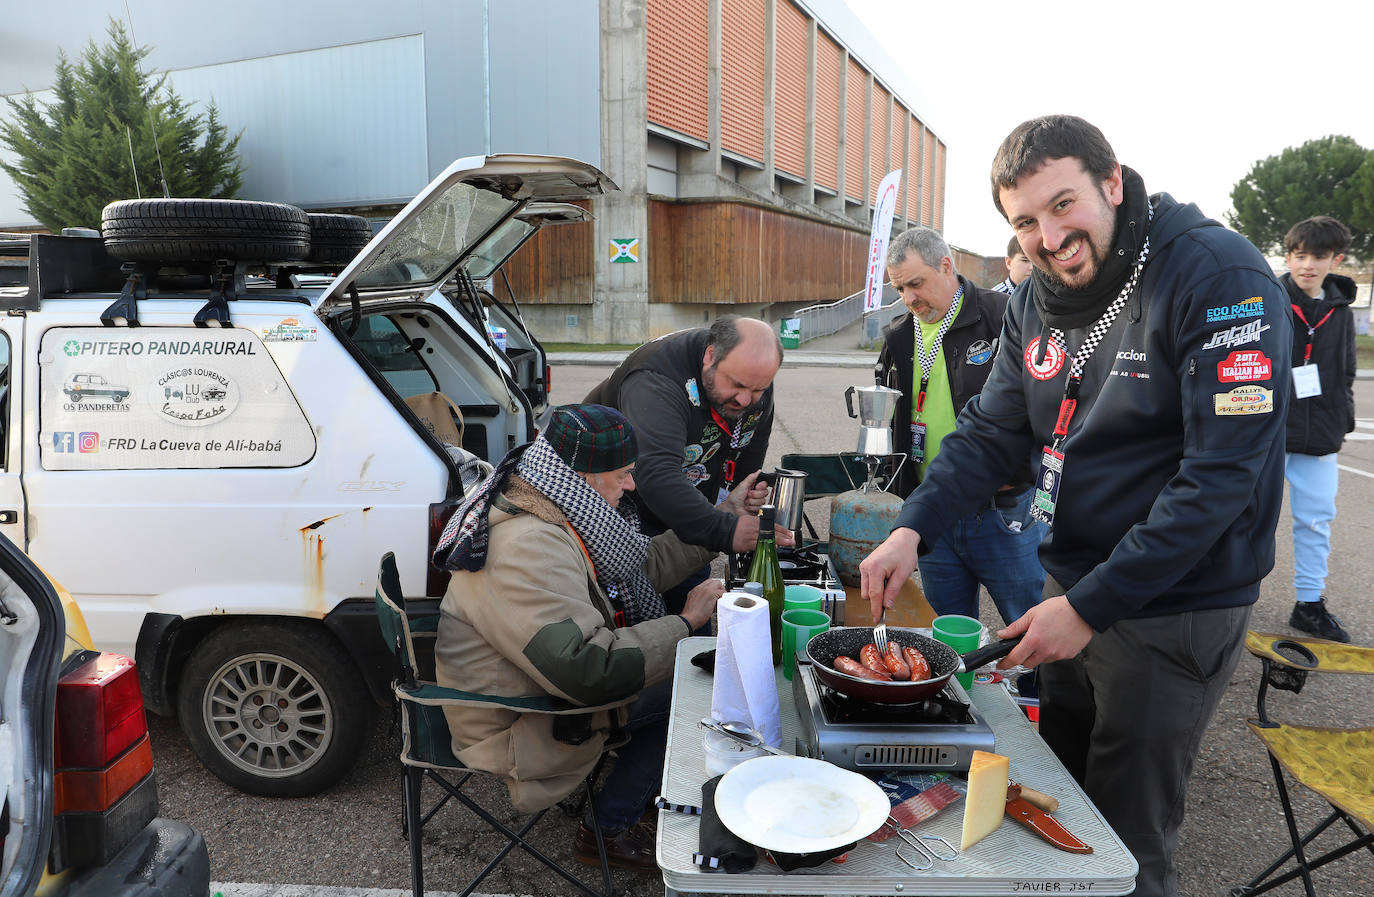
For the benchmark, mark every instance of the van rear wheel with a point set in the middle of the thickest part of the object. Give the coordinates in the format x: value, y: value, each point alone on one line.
x: 276, y: 709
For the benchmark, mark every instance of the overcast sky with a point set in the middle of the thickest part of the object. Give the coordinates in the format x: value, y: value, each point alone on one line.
x: 1190, y: 94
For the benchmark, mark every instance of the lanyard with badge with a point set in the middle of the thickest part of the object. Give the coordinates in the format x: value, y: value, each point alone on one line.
x: 1052, y: 457
x: 735, y: 450
x: 926, y: 359
x: 1306, y: 382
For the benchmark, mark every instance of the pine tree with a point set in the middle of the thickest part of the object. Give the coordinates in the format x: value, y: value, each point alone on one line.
x: 100, y: 138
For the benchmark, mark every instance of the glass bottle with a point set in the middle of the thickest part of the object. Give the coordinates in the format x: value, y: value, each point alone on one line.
x: 765, y: 571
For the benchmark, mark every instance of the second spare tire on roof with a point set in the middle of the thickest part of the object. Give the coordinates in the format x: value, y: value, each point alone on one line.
x: 203, y: 230
x: 336, y: 238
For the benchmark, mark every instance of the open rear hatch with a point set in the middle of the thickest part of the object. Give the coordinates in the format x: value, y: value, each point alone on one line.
x: 423, y: 245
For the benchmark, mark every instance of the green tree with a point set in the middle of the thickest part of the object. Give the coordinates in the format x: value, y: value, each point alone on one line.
x: 101, y: 138
x: 1328, y: 176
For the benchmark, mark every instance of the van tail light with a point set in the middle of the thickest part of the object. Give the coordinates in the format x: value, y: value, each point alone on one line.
x: 436, y: 580
x: 104, y: 792
x: 548, y: 380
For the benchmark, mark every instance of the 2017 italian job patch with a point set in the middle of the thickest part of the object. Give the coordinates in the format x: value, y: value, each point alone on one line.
x: 1245, y: 367
x: 1244, y: 400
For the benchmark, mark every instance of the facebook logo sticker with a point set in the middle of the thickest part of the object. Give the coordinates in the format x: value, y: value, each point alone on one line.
x: 64, y: 441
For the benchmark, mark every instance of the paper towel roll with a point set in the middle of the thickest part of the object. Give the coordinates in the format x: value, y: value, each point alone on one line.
x: 745, y: 687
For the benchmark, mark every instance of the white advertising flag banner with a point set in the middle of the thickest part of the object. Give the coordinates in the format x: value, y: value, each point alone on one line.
x: 159, y: 397
x: 884, y: 204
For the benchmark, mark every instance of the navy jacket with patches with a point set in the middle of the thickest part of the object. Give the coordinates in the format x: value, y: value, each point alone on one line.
x: 969, y: 346
x: 1317, y: 424
x: 1170, y: 493
x: 682, y: 451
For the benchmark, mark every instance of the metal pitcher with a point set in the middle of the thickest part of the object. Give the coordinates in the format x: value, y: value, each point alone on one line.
x: 876, y: 405
x: 789, y: 495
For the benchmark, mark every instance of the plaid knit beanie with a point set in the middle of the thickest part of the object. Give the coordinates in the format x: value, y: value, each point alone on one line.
x: 591, y: 438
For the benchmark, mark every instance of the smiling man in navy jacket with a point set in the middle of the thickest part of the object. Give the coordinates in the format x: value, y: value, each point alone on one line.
x: 1146, y: 368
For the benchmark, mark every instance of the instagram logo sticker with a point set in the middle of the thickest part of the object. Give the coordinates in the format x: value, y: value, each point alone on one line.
x: 88, y: 442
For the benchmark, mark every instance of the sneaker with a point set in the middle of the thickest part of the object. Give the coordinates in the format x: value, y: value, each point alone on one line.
x: 1313, y: 617
x: 630, y: 849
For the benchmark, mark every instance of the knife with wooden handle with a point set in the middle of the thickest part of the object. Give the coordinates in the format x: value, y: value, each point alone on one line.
x: 1042, y: 823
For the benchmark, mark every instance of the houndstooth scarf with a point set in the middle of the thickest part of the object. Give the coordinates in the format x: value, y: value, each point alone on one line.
x: 611, y: 535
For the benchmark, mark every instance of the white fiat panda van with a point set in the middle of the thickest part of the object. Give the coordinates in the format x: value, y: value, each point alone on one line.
x: 219, y: 497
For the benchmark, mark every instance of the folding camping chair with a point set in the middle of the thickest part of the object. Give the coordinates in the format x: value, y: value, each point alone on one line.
x: 1338, y: 764
x: 426, y: 751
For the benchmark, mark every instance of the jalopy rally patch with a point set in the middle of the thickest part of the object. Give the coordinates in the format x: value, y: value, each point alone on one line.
x: 1245, y: 400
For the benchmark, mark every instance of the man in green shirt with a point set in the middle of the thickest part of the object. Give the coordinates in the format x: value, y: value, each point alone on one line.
x: 939, y: 354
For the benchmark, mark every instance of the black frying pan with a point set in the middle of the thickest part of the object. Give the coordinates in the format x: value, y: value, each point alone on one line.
x: 944, y: 662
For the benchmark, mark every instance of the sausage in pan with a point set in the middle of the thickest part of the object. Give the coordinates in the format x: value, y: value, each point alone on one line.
x: 870, y: 657
x: 898, y: 667
x: 920, y: 667
x: 853, y: 668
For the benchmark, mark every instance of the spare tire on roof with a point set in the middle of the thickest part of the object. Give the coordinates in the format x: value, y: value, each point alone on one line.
x: 192, y: 230
x: 335, y: 239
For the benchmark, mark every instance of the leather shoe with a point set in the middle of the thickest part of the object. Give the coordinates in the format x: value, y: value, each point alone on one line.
x: 630, y: 849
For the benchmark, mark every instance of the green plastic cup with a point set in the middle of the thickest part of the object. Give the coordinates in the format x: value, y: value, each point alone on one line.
x: 797, y: 597
x: 798, y: 625
x: 961, y: 633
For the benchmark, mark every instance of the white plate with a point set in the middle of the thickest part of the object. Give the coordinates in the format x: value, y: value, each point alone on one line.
x: 799, y: 805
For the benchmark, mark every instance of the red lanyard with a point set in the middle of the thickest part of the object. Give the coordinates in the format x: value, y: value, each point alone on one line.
x: 1067, y: 406
x: 1311, y: 329
x: 729, y: 467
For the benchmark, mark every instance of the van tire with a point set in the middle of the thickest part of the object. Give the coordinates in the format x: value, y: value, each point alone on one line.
x: 190, y: 230
x: 249, y: 674
x: 335, y: 239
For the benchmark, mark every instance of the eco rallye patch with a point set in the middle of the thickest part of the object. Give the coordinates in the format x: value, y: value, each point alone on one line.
x: 1246, y: 308
x: 1244, y: 400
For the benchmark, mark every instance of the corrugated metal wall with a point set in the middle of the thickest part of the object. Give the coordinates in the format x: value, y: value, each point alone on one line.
x: 343, y: 102
x: 679, y: 89
x: 828, y: 74
x: 913, y: 169
x: 743, y: 33
x: 380, y: 83
x: 927, y: 194
x: 939, y: 209
x: 789, y: 117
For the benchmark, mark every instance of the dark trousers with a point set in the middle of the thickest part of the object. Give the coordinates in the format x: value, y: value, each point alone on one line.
x: 1127, y: 716
x: 637, y: 775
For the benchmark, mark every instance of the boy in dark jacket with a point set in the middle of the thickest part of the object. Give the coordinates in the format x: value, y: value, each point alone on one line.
x: 1322, y: 409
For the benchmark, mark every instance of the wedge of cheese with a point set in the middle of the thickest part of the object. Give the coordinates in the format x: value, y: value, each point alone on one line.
x: 986, y: 802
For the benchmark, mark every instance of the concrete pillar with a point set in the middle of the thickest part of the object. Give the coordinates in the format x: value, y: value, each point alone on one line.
x: 699, y: 171
x: 620, y: 295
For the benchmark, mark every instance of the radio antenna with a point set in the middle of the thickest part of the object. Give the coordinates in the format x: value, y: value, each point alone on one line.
x: 152, y: 128
x: 133, y: 165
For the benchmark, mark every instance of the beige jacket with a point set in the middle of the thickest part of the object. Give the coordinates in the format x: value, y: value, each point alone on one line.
x: 534, y: 621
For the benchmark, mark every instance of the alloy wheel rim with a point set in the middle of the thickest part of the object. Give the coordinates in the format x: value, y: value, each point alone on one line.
x: 267, y: 715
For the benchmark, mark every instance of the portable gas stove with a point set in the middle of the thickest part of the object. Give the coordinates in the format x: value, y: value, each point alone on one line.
x: 807, y: 564
x: 937, y: 734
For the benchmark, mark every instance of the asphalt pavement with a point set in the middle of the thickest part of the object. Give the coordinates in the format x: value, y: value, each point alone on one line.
x: 349, y: 838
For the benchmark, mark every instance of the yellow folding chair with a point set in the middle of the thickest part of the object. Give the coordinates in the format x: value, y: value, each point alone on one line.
x: 1337, y: 764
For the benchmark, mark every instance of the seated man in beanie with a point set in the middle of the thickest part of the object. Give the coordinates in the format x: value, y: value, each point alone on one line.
x: 556, y: 592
